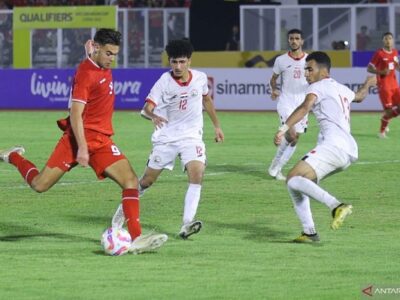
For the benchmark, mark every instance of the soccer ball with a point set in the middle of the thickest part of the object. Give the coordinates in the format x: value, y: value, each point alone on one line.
x: 116, y: 241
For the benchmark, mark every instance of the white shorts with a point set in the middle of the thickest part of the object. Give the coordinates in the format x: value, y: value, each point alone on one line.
x: 327, y: 159
x: 163, y: 155
x: 285, y: 109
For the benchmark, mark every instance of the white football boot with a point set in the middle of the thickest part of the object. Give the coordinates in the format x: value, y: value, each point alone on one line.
x: 4, y: 154
x: 190, y: 228
x: 148, y: 243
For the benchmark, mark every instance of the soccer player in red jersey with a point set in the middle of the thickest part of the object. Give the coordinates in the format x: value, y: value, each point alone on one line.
x: 383, y: 64
x: 87, y: 139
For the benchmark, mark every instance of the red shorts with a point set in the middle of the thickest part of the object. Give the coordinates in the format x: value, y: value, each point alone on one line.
x: 102, y: 152
x: 389, y: 97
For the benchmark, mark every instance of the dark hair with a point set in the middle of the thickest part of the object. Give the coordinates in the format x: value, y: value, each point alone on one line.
x: 179, y: 48
x: 105, y: 36
x: 321, y: 58
x: 387, y: 33
x: 295, y: 31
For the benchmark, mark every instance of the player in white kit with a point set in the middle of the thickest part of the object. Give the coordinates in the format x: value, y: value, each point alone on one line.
x: 175, y: 106
x: 336, y: 148
x: 290, y: 68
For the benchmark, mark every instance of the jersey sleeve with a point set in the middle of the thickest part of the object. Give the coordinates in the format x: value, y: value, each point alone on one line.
x: 156, y: 92
x: 205, y: 89
x: 81, y: 87
x: 349, y: 94
x: 277, y: 66
x: 315, y: 89
x: 375, y: 59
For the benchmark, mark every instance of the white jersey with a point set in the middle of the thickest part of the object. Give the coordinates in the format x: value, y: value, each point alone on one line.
x: 293, y: 81
x: 181, y: 104
x: 332, y: 111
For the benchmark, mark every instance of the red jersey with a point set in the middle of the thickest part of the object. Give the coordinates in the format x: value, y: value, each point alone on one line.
x: 93, y: 86
x: 386, y: 60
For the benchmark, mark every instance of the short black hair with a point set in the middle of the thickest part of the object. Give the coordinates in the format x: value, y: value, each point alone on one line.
x: 295, y: 31
x: 387, y: 33
x: 179, y: 48
x: 105, y: 36
x: 321, y: 58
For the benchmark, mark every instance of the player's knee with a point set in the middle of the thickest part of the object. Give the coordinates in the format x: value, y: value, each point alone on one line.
x: 39, y: 187
x: 294, y: 182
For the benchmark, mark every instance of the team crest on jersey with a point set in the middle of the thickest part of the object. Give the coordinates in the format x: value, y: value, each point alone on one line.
x: 194, y: 93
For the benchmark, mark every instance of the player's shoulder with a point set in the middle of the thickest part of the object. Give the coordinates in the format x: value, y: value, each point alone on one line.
x: 198, y: 74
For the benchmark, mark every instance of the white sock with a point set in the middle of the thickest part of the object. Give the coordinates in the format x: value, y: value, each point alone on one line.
x: 313, y: 190
x: 287, y: 154
x: 276, y: 164
x: 192, y: 199
x: 281, y: 149
x: 303, y: 210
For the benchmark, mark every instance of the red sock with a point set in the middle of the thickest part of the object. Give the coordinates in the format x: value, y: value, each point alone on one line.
x: 27, y: 169
x: 395, y: 112
x: 384, y: 123
x: 130, y: 205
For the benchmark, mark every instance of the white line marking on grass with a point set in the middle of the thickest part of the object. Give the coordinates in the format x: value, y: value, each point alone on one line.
x: 82, y: 182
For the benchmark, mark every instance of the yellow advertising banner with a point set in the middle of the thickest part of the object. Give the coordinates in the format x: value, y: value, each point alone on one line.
x: 52, y: 17
x: 254, y: 59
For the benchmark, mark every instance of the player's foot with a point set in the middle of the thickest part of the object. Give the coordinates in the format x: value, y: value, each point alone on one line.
x: 273, y: 169
x: 307, y: 238
x: 280, y: 176
x: 4, y: 154
x: 118, y: 218
x: 382, y: 135
x: 339, y: 214
x: 190, y: 228
x: 147, y: 243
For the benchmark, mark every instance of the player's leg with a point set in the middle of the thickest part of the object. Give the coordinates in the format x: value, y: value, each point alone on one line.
x: 38, y: 181
x: 288, y: 146
x: 195, y: 170
x: 123, y: 174
x: 193, y: 156
x: 386, y: 99
x: 161, y: 156
x: 149, y: 177
x: 323, y: 161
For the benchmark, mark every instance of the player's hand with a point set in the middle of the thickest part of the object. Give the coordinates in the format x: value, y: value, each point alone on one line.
x: 278, y: 137
x: 219, y: 135
x: 275, y: 94
x: 82, y: 157
x: 385, y: 72
x: 158, y: 121
x: 89, y: 47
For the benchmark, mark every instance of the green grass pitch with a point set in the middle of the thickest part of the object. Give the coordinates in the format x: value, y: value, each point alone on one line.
x: 49, y: 243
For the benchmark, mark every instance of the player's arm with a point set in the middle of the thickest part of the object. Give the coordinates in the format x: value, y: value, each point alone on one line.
x: 363, y: 90
x: 76, y: 120
x: 372, y: 69
x: 273, y: 83
x: 299, y: 113
x: 208, y: 105
x: 148, y: 113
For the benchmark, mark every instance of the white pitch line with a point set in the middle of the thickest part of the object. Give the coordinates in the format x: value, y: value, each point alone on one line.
x: 82, y: 182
